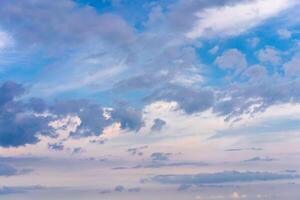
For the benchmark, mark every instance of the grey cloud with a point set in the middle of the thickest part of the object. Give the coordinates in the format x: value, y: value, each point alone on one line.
x: 56, y: 146
x: 9, y: 91
x: 184, y: 187
x: 190, y: 100
x: 245, y: 149
x: 104, y: 191
x: 7, y: 190
x: 164, y: 164
x: 260, y: 159
x: 232, y: 59
x: 134, y: 189
x: 7, y: 170
x: 137, y: 150
x: 77, y: 150
x: 182, y: 14
x: 221, y: 177
x: 19, y: 125
x: 269, y: 55
x: 291, y: 68
x: 119, y: 188
x: 60, y: 27
x: 158, y: 124
x: 90, y: 114
x: 158, y: 156
x: 129, y: 118
x: 255, y: 72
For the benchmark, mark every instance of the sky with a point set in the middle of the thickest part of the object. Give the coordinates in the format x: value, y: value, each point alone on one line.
x: 143, y: 99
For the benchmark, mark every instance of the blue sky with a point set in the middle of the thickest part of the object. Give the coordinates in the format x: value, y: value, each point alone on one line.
x: 127, y: 99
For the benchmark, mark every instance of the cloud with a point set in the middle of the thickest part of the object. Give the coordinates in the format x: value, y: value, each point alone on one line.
x: 284, y: 33
x: 6, y: 190
x: 158, y: 156
x: 232, y: 20
x: 184, y: 187
x: 129, y: 118
x: 56, y: 146
x: 189, y: 99
x: 22, y: 122
x: 7, y: 170
x: 137, y: 151
x: 19, y: 125
x: 255, y: 72
x: 134, y: 189
x: 221, y: 177
x: 260, y: 159
x: 6, y: 40
x: 253, y: 42
x: 291, y: 68
x: 60, y: 29
x: 119, y: 188
x: 232, y: 59
x: 269, y: 55
x: 158, y: 124
x: 156, y: 165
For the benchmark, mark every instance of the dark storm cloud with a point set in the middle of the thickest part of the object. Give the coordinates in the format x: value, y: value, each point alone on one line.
x: 221, y: 177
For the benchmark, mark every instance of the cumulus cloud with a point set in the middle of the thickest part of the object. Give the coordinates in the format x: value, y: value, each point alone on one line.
x: 291, y: 68
x: 269, y: 55
x: 232, y: 59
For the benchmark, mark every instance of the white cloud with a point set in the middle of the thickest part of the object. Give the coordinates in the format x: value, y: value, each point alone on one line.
x: 284, y: 33
x: 214, y: 50
x: 269, y: 55
x: 231, y: 59
x: 5, y: 40
x: 291, y: 68
x: 253, y: 42
x: 233, y: 20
